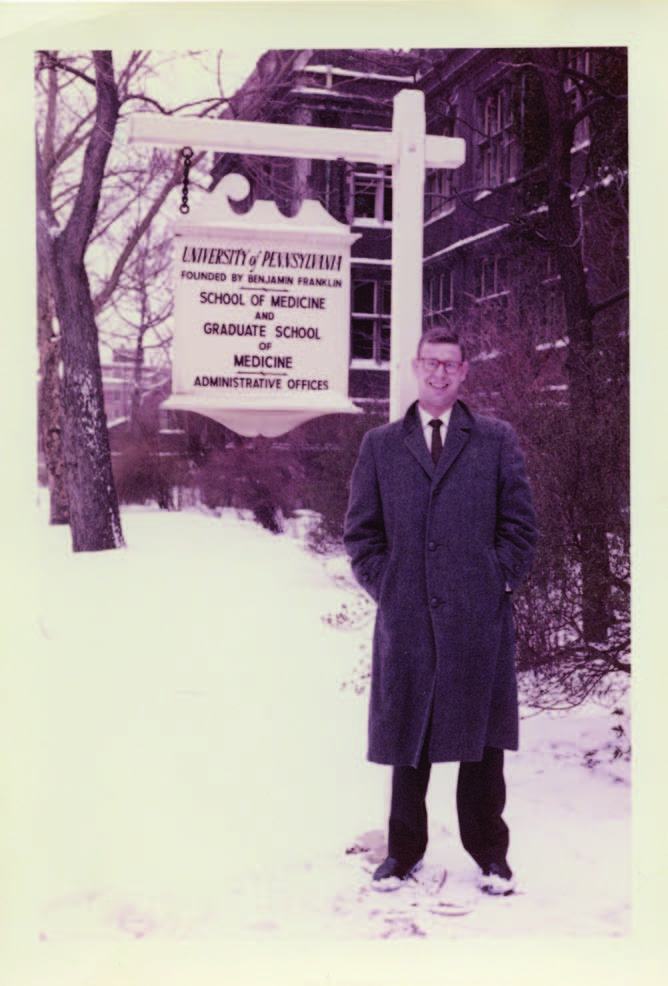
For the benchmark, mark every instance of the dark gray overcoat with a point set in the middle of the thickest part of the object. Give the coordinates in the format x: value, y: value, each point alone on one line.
x: 439, y: 548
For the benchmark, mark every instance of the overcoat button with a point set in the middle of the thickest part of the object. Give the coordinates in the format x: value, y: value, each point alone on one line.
x: 431, y: 546
x: 434, y: 602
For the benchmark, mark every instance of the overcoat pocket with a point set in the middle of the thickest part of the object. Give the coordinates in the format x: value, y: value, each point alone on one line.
x: 496, y: 564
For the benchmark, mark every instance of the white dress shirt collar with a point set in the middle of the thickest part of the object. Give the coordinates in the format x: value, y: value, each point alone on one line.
x: 426, y: 417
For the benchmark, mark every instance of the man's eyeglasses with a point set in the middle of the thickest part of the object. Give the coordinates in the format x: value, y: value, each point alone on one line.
x: 431, y: 365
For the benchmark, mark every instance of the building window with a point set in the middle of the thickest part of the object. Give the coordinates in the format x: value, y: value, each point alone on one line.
x: 552, y: 299
x: 328, y: 184
x: 497, y: 148
x: 439, y: 182
x: 439, y: 294
x: 553, y: 312
x: 438, y: 193
x: 579, y: 61
x: 491, y: 281
x: 371, y: 194
x: 371, y: 320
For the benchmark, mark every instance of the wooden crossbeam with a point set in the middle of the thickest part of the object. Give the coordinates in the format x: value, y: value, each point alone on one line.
x: 287, y: 140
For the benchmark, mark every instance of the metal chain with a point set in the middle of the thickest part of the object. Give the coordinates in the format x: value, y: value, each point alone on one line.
x: 186, y: 154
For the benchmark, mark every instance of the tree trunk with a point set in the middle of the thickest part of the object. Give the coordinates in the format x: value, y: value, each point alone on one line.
x: 138, y: 371
x: 94, y: 513
x: 49, y: 408
x: 592, y: 500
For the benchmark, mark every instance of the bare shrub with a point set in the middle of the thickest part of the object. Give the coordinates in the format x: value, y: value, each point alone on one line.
x: 142, y: 475
x: 522, y: 379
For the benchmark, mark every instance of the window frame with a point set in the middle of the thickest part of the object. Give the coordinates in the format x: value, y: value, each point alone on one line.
x: 443, y: 282
x: 379, y: 319
x: 496, y: 146
x: 438, y: 201
x: 374, y: 181
x: 491, y: 271
x: 551, y: 300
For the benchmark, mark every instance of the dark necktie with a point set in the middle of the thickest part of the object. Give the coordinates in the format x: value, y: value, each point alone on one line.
x: 436, y: 440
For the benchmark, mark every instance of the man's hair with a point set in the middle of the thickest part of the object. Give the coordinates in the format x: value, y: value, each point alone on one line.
x: 440, y: 334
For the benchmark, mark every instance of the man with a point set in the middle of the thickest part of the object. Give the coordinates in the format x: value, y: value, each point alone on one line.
x: 440, y: 530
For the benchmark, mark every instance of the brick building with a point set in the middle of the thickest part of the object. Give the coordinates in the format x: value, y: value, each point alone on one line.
x: 488, y: 254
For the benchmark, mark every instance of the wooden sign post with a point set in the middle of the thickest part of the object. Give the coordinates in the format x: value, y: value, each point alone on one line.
x: 407, y: 148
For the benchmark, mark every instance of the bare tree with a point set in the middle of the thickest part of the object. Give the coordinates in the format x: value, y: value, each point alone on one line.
x: 66, y: 123
x: 84, y: 201
x: 583, y: 362
x: 94, y: 514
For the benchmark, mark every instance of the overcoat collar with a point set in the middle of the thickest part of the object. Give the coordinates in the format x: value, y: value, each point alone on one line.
x: 461, y: 422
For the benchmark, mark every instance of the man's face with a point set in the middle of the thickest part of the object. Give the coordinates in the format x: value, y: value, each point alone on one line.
x: 438, y: 387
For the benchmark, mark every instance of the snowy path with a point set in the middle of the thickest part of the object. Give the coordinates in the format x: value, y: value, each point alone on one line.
x: 197, y: 771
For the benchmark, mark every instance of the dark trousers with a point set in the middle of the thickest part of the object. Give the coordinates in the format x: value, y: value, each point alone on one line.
x: 481, y: 798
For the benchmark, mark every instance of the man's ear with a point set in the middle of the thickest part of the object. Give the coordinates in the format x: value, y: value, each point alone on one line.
x: 415, y: 363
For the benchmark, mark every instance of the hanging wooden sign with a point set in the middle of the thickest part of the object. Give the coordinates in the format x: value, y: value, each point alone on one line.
x: 262, y: 313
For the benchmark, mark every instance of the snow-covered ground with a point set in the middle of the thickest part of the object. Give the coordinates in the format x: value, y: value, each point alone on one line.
x: 197, y: 771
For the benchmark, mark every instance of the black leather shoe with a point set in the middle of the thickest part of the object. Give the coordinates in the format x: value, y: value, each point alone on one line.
x: 497, y: 879
x: 391, y: 873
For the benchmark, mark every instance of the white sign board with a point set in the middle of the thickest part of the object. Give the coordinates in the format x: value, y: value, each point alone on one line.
x: 262, y: 314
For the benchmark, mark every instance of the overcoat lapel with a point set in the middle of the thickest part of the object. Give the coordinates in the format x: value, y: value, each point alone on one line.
x: 414, y: 440
x: 456, y: 438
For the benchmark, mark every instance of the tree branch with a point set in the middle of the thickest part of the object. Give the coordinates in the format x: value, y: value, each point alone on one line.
x: 51, y: 62
x: 136, y: 61
x: 612, y: 300
x: 592, y: 83
x: 47, y: 224
x: 147, y: 99
x: 212, y: 103
x: 102, y: 298
x: 588, y: 109
x: 71, y: 143
x: 566, y: 71
x: 84, y: 211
